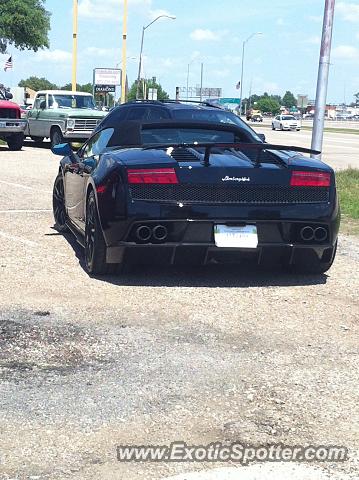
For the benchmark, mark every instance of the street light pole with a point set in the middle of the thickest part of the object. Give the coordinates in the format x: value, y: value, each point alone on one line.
x: 242, y: 71
x: 187, y: 79
x: 201, y: 87
x: 124, y: 64
x: 323, y: 74
x: 74, y: 46
x: 140, y: 59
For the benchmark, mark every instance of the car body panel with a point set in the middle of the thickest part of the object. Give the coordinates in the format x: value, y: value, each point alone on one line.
x: 10, y: 119
x: 234, y: 187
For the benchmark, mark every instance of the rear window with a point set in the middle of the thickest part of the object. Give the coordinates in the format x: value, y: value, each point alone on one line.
x: 215, y: 116
x: 185, y: 135
x: 288, y: 117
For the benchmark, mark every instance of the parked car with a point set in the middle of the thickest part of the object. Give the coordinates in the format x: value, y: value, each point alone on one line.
x: 12, y: 126
x: 61, y: 114
x: 344, y: 116
x: 190, y: 191
x: 154, y: 110
x: 285, y: 122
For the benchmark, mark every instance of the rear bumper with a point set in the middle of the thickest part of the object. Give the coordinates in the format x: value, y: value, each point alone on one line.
x: 195, y: 254
x: 9, y: 126
x: 192, y: 241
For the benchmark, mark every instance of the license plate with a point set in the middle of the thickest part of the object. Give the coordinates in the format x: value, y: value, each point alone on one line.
x: 236, y: 237
x: 2, y: 124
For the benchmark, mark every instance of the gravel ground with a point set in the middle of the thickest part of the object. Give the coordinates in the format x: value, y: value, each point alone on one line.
x: 199, y: 355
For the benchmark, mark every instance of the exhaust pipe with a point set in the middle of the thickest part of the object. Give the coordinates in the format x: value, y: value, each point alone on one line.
x: 159, y: 233
x: 307, y: 233
x: 143, y: 233
x: 320, y: 234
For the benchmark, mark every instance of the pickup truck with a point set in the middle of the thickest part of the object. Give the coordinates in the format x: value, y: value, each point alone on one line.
x: 61, y: 116
x: 12, y: 126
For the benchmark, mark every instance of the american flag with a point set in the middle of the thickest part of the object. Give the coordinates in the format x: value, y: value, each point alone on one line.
x: 8, y: 64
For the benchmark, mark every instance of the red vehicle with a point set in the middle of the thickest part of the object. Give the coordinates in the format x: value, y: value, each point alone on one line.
x: 12, y: 126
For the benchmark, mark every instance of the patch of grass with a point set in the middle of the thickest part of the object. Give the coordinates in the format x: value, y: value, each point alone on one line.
x: 348, y: 188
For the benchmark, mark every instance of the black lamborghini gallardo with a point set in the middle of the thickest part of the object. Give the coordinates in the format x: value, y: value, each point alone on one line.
x: 182, y: 191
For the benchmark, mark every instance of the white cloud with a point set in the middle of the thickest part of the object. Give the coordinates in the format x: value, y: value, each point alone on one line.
x: 349, y: 11
x: 262, y: 85
x: 205, y: 34
x: 232, y: 59
x: 109, y: 10
x: 101, y: 52
x: 315, y: 18
x: 156, y: 13
x: 315, y: 40
x: 222, y: 73
x: 347, y: 52
x: 56, y: 56
x: 280, y: 22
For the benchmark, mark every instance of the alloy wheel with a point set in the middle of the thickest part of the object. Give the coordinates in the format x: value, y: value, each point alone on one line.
x: 59, y: 204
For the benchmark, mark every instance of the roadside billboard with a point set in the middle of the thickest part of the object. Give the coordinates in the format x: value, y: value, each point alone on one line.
x: 107, y: 76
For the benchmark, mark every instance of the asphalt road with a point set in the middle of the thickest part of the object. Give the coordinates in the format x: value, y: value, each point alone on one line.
x: 200, y: 355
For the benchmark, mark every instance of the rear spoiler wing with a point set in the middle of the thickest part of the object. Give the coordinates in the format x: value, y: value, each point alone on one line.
x: 260, y: 147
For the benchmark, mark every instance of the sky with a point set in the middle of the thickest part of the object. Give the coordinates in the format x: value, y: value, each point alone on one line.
x: 284, y: 57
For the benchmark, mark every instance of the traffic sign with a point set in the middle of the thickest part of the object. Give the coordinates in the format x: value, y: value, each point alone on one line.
x: 222, y: 101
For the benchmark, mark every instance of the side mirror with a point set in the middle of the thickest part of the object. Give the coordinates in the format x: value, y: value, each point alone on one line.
x: 262, y: 137
x: 62, y: 149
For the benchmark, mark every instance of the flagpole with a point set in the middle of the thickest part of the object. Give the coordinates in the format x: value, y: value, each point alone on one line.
x: 74, y: 46
x: 124, y: 40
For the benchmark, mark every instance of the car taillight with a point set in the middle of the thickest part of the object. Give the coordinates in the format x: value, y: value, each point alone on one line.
x: 310, y: 179
x: 154, y: 175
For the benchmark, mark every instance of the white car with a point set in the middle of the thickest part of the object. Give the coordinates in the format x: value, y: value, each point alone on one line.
x: 285, y: 122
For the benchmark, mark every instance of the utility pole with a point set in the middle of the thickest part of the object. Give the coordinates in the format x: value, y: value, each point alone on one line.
x: 187, y: 80
x: 124, y: 40
x: 241, y: 91
x: 141, y: 51
x: 242, y: 70
x: 201, y: 87
x: 323, y: 74
x: 74, y: 46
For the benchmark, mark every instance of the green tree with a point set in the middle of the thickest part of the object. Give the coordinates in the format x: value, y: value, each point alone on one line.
x: 268, y: 105
x: 24, y: 23
x: 36, y: 83
x: 87, y: 87
x: 356, y: 96
x: 289, y: 100
x: 161, y: 94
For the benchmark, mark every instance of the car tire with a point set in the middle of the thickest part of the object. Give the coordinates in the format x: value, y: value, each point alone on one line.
x: 95, y: 246
x: 58, y: 205
x: 273, y: 127
x: 15, y: 142
x: 281, y: 127
x: 298, y: 129
x: 309, y: 263
x: 37, y: 139
x: 56, y: 136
